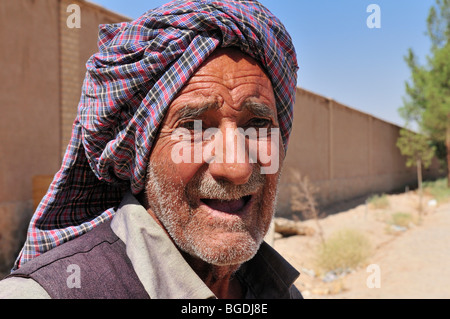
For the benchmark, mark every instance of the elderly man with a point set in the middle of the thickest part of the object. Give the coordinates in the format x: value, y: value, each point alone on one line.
x: 138, y: 212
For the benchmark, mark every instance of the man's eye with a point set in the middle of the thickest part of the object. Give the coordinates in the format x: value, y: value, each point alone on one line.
x: 259, y: 122
x: 190, y: 125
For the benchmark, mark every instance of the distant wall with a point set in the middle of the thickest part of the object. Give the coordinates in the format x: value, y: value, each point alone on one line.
x: 344, y: 152
x: 77, y: 45
x: 42, y: 66
x: 29, y: 121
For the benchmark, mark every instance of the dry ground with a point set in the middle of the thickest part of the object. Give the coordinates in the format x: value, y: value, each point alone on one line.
x: 413, y: 263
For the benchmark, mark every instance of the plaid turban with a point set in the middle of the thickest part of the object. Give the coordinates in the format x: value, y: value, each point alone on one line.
x: 129, y: 85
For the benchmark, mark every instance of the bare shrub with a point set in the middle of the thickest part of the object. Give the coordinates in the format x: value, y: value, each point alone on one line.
x: 343, y: 250
x: 378, y: 201
x: 303, y: 199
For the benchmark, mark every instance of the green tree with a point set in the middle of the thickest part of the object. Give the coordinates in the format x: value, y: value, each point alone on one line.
x: 419, y: 151
x: 428, y: 92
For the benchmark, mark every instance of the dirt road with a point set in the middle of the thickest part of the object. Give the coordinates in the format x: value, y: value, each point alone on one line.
x: 412, y: 264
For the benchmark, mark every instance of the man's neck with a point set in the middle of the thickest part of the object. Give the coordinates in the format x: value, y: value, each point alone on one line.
x: 220, y: 279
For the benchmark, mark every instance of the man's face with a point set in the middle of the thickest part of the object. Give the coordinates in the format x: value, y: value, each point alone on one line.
x: 218, y: 211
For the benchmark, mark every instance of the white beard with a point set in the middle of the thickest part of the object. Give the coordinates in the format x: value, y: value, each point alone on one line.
x: 217, y: 242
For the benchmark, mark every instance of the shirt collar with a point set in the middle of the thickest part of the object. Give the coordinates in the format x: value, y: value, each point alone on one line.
x: 165, y: 274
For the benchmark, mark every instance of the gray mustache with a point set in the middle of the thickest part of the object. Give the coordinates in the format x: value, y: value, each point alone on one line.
x: 205, y: 186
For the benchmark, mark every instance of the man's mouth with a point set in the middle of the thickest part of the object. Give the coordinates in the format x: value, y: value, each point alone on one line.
x: 233, y: 206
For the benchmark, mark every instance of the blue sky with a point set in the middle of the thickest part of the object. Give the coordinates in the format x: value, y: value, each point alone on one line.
x: 339, y: 56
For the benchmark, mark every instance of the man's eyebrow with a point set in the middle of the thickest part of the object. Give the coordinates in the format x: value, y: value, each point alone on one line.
x: 259, y: 109
x: 196, y: 111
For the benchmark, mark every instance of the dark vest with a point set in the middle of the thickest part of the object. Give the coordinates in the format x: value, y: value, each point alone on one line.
x: 92, y: 266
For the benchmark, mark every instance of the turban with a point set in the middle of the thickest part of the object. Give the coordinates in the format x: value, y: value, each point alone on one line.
x: 128, y: 87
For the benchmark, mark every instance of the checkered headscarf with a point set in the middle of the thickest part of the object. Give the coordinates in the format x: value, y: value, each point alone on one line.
x: 129, y: 84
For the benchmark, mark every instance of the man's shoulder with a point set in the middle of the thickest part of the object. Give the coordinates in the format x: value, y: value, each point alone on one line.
x: 270, y: 276
x: 94, y: 265
x: 70, y: 250
x: 294, y: 293
x: 22, y: 288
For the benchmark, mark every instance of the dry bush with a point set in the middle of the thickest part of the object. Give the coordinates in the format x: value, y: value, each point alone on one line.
x: 402, y: 219
x: 344, y: 250
x: 437, y: 189
x: 378, y: 201
x: 303, y: 199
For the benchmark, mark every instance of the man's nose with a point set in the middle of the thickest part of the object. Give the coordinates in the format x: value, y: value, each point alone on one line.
x: 233, y: 163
